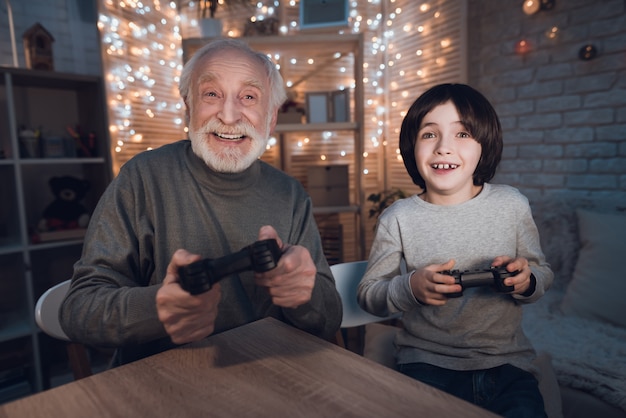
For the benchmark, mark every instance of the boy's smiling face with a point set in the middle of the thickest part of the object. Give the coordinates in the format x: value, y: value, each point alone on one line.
x: 447, y: 156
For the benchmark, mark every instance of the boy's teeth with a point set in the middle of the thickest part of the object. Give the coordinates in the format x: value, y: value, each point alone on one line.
x: 444, y: 166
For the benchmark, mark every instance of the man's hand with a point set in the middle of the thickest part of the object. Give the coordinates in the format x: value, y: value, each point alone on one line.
x: 291, y: 283
x: 430, y: 287
x: 186, y: 318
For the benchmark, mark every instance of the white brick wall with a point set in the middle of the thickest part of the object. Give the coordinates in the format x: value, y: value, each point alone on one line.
x: 564, y: 119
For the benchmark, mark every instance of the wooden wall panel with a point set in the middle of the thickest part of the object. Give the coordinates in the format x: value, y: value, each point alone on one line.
x: 432, y: 47
x: 141, y: 62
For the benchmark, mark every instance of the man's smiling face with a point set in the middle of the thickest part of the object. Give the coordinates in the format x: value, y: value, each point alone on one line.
x: 229, y: 115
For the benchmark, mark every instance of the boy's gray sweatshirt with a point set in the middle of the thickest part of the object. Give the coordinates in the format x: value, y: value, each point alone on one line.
x: 481, y: 329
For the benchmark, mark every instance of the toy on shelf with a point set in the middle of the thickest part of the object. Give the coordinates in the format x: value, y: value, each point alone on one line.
x: 65, y: 217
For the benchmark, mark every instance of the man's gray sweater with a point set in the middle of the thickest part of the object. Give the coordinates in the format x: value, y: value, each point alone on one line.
x: 167, y: 199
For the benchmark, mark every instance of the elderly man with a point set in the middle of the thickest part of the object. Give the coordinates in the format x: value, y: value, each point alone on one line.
x: 208, y: 196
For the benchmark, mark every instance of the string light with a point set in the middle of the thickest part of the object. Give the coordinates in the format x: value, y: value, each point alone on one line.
x: 142, y: 41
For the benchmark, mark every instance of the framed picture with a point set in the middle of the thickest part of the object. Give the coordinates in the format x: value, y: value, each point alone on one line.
x: 317, y: 109
x: 323, y: 13
x: 341, y: 106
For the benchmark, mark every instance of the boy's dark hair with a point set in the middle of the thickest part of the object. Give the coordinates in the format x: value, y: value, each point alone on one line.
x: 478, y: 117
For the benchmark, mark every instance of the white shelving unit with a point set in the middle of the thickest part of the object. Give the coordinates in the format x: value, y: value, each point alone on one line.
x: 49, y: 102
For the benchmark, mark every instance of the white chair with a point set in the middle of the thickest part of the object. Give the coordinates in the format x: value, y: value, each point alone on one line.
x: 47, y: 310
x: 347, y: 278
x: 47, y: 318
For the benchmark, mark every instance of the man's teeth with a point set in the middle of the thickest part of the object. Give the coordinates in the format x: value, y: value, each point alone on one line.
x: 444, y: 166
x: 229, y: 137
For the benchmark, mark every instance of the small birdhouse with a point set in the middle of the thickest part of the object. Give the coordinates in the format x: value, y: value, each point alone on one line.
x: 38, y: 48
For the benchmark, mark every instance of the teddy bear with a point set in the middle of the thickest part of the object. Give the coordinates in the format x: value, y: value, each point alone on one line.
x: 66, y: 211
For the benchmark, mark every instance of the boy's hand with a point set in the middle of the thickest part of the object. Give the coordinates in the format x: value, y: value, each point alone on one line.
x: 430, y: 287
x: 522, y: 281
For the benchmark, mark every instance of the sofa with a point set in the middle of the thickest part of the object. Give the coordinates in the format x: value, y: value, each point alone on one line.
x: 579, y: 327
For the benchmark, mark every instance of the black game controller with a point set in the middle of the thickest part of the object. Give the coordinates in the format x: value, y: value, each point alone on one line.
x: 473, y: 278
x: 200, y: 276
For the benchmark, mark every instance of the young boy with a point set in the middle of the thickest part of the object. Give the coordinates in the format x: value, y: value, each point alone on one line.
x: 471, y: 346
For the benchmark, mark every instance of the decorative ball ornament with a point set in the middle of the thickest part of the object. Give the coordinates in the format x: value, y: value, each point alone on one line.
x: 531, y: 6
x: 547, y: 4
x: 587, y: 52
x: 522, y: 47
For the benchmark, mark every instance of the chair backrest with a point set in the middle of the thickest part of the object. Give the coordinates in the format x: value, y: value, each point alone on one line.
x: 347, y: 278
x: 47, y: 310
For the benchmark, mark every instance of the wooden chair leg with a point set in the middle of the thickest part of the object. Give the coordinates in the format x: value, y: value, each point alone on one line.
x: 339, y: 340
x: 79, y: 360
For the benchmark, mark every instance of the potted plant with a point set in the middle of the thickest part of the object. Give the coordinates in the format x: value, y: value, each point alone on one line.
x: 207, y: 5
x: 210, y: 27
x: 380, y: 201
x: 291, y: 111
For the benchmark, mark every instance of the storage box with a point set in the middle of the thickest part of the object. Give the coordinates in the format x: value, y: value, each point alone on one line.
x: 289, y: 117
x: 329, y: 185
x: 328, y: 106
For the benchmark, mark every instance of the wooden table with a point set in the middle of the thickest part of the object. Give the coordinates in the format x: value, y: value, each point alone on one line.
x: 265, y: 368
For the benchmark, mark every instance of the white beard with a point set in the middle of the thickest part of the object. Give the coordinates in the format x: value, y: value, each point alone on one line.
x: 228, y: 159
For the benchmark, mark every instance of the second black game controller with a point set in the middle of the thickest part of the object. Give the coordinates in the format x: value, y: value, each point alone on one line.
x: 200, y: 276
x: 473, y: 278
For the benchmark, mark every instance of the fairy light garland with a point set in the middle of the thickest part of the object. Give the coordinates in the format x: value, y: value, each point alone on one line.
x: 142, y: 44
x: 143, y: 61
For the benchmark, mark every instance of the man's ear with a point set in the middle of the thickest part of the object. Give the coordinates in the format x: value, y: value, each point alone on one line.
x: 186, y: 112
x: 274, y: 120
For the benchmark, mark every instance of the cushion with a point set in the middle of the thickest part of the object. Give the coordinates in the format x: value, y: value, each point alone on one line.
x: 598, y: 285
x: 557, y: 225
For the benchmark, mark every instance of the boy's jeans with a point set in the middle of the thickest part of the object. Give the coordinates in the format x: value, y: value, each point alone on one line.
x: 505, y: 390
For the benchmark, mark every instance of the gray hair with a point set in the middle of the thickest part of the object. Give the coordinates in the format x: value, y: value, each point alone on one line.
x: 277, y: 88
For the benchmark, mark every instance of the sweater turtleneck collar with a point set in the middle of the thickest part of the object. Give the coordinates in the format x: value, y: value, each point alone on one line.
x: 222, y: 181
